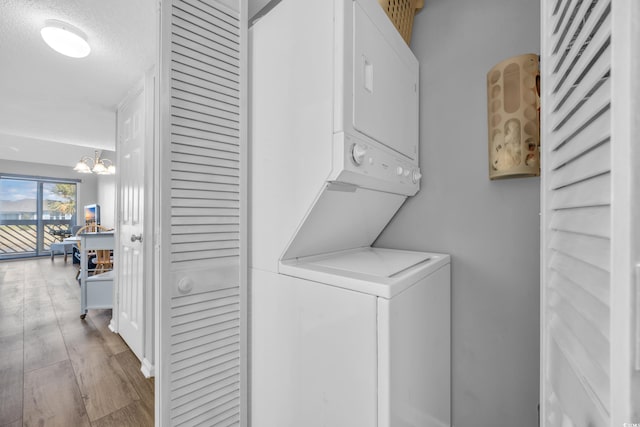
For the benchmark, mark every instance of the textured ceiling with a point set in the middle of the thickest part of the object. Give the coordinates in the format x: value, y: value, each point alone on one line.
x: 49, y: 97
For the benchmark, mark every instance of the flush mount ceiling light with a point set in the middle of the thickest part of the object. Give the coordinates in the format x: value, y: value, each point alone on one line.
x: 65, y: 39
x: 96, y: 165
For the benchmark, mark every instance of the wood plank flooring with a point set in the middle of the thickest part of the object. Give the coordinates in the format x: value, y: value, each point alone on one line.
x: 59, y: 370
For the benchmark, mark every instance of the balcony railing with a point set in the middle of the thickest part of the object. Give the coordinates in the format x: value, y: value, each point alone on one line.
x: 20, y: 237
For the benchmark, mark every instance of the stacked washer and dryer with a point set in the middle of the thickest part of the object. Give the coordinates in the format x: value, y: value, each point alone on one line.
x: 343, y: 334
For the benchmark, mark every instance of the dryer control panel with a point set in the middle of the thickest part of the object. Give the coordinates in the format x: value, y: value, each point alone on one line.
x: 370, y: 165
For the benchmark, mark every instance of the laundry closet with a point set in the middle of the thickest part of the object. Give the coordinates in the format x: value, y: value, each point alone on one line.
x: 340, y: 330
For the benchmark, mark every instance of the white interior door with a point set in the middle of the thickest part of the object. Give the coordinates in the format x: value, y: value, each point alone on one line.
x: 590, y: 335
x: 130, y: 259
x: 201, y: 345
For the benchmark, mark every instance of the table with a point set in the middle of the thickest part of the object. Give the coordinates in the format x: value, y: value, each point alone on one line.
x: 66, y: 246
x: 95, y: 291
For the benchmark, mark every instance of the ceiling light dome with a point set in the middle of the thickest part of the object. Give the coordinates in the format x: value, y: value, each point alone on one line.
x: 65, y: 39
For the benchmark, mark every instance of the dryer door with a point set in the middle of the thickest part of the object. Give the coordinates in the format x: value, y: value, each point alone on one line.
x: 385, y: 80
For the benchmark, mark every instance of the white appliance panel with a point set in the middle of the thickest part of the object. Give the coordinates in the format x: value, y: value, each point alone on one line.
x: 343, y: 217
x: 374, y: 261
x: 376, y: 167
x: 291, y: 78
x: 314, y: 360
x: 385, y: 92
x: 376, y: 271
x: 414, y: 351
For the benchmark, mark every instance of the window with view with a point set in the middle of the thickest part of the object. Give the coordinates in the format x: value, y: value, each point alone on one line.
x: 34, y: 213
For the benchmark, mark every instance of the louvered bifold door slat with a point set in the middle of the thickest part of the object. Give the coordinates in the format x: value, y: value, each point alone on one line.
x: 203, y: 126
x: 576, y: 207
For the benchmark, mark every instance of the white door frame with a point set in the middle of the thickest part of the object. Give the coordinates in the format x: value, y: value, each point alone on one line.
x: 150, y: 224
x: 625, y: 232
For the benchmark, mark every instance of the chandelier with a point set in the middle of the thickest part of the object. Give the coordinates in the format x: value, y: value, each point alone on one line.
x: 96, y: 165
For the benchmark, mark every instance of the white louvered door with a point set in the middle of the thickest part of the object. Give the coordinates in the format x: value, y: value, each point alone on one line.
x: 588, y: 304
x: 202, y: 312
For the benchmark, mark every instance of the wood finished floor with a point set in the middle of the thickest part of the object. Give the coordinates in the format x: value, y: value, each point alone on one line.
x: 59, y: 370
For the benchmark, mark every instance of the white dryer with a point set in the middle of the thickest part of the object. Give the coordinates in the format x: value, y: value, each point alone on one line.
x: 334, y: 127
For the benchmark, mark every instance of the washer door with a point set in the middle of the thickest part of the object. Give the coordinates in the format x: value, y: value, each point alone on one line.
x: 385, y: 93
x: 378, y: 262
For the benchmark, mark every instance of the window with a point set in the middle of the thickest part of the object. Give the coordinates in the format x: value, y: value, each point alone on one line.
x: 34, y: 213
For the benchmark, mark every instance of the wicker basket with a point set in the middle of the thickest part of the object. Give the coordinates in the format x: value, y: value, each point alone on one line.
x: 401, y: 13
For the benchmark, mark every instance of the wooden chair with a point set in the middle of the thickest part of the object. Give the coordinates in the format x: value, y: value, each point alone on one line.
x: 102, y: 258
x: 92, y: 228
x: 103, y: 261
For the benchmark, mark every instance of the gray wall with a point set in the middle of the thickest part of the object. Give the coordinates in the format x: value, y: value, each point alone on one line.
x: 87, y: 189
x: 106, y: 193
x: 106, y: 196
x: 491, y: 229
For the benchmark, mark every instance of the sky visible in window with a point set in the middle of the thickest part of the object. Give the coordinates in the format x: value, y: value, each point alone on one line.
x: 18, y: 189
x: 13, y: 189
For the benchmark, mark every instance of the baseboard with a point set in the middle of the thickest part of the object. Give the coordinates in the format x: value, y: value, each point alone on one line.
x: 147, y: 368
x: 112, y: 326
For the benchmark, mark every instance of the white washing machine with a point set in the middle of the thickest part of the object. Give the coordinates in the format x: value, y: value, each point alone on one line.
x: 358, y: 338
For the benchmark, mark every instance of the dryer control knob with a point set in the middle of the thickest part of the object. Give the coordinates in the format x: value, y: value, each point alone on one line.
x: 357, y: 153
x: 399, y: 171
x: 416, y: 176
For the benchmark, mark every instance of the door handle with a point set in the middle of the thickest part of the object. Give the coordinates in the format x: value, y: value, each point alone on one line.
x: 185, y: 285
x: 138, y: 237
